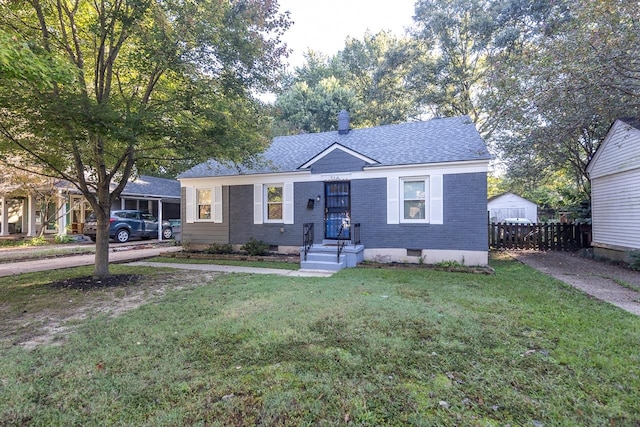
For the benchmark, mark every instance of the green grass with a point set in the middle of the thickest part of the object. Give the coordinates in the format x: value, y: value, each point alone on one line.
x: 366, y: 346
x: 242, y: 263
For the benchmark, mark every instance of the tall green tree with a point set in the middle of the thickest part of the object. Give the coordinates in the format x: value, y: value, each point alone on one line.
x: 132, y: 85
x: 376, y: 68
x: 461, y: 48
x: 567, y: 88
x: 367, y: 78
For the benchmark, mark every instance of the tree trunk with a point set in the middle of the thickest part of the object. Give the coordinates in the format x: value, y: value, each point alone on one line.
x: 101, y: 267
x: 103, y: 213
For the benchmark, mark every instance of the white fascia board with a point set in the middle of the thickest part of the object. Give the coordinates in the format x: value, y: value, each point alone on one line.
x: 146, y: 197
x: 445, y: 168
x: 266, y: 178
x: 448, y: 168
x: 332, y: 148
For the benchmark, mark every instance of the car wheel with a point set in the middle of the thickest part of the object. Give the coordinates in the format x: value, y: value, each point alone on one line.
x: 167, y: 233
x: 122, y: 235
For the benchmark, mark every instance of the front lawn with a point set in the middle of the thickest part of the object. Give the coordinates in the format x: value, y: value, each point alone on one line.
x: 364, y: 347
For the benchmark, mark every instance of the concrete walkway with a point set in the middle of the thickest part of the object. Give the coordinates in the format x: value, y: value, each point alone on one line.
x: 117, y: 255
x: 236, y: 269
x: 132, y: 256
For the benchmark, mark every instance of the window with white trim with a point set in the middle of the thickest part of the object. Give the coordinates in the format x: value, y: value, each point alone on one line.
x: 414, y: 193
x: 415, y: 199
x: 273, y: 203
x: 274, y: 197
x: 203, y: 203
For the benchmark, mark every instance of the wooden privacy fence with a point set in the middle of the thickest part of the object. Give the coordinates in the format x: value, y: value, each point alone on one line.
x: 540, y: 237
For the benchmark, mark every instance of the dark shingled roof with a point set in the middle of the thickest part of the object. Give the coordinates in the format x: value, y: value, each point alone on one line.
x: 434, y: 141
x: 151, y: 186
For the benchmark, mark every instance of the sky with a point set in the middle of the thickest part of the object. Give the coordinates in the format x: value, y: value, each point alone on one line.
x: 323, y: 25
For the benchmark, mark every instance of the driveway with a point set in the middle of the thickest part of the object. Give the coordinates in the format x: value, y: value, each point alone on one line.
x: 600, y: 279
x: 42, y: 258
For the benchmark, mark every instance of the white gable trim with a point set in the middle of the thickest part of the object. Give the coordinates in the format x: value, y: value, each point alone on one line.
x: 335, y: 146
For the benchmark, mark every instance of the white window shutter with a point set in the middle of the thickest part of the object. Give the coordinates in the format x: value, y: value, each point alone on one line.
x: 393, y: 200
x: 257, y: 203
x: 436, y: 215
x: 190, y: 208
x: 216, y: 191
x: 287, y: 206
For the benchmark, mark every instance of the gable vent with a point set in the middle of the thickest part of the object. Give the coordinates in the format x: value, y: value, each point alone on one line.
x: 343, y: 122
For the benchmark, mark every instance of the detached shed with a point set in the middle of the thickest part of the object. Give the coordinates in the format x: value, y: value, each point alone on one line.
x: 614, y: 171
x: 509, y: 205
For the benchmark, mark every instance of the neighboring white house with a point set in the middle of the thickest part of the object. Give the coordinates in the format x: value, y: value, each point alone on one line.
x: 509, y: 205
x: 614, y: 171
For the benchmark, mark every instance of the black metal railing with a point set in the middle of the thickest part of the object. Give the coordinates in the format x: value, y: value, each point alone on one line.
x: 341, y: 240
x: 354, y: 236
x: 307, y: 238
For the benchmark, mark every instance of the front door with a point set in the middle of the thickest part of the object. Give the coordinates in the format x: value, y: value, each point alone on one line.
x: 337, y: 210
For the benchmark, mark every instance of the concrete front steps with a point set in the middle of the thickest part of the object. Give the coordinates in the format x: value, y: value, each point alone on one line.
x: 324, y: 257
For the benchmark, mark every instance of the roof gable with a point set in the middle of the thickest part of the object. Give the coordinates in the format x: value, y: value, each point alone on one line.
x: 511, y: 197
x: 619, y: 151
x: 335, y: 146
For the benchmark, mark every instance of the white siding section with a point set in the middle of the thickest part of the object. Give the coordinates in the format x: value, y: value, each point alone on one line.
x: 257, y: 203
x: 615, y: 210
x: 615, y: 189
x: 436, y: 215
x: 287, y: 207
x: 190, y: 210
x: 619, y: 152
x: 393, y: 200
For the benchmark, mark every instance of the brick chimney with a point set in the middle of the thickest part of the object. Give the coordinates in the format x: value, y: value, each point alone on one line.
x: 343, y: 122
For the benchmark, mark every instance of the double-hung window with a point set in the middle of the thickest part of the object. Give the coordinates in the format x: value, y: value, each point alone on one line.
x: 274, y: 203
x: 414, y: 193
x: 415, y: 199
x: 203, y: 203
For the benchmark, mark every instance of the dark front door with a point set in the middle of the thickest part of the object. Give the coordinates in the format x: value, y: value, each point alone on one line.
x: 337, y: 209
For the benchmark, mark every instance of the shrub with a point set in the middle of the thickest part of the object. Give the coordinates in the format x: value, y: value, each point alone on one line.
x: 449, y: 264
x: 255, y: 247
x: 63, y: 239
x: 219, y: 248
x: 37, y: 241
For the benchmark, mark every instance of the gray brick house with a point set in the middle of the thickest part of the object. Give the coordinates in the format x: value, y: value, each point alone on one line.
x: 408, y: 192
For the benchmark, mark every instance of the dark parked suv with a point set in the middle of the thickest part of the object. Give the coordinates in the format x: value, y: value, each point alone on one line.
x: 129, y: 223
